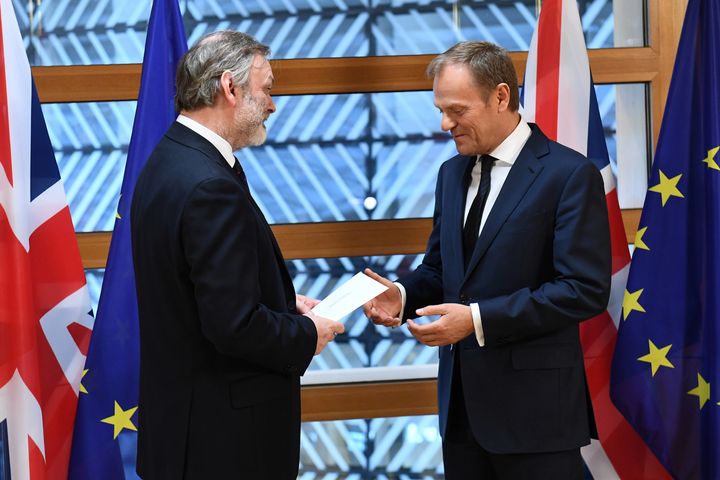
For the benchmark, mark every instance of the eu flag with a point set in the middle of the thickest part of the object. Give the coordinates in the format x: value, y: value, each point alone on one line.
x: 666, y: 369
x: 104, y: 439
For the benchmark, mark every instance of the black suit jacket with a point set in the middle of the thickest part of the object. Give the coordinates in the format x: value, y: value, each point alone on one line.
x: 541, y: 265
x: 221, y: 347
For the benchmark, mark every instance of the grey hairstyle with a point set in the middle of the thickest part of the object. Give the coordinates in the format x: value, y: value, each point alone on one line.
x: 200, y: 69
x: 490, y: 66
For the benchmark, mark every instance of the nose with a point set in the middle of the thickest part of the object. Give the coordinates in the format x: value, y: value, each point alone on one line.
x: 446, y: 123
x: 271, y: 105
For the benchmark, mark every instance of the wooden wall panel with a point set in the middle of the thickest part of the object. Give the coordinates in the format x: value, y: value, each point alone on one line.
x: 87, y: 83
x: 335, y: 239
x: 369, y: 400
x: 324, y: 75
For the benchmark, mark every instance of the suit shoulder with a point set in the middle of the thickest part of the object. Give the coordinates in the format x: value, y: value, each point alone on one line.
x: 174, y: 173
x: 565, y: 158
x: 182, y: 164
x: 457, y: 162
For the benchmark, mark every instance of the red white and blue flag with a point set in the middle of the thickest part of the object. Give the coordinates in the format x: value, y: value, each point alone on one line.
x: 45, y: 318
x: 558, y: 95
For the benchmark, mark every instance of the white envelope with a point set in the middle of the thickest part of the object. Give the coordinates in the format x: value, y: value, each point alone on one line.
x: 349, y: 296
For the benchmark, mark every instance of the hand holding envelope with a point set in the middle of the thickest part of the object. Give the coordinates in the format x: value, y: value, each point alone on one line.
x: 340, y: 303
x: 349, y: 296
x: 385, y: 308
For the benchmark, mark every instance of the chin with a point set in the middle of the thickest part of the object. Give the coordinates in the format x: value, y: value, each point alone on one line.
x: 462, y: 150
x: 259, y: 137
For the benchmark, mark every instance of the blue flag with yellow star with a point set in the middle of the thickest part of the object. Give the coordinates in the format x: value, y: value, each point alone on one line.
x: 105, y: 438
x: 666, y: 368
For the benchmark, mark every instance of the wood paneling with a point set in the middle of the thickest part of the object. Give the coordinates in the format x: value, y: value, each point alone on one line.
x: 324, y: 75
x: 351, y: 239
x: 370, y: 400
x: 631, y: 219
x: 311, y: 240
x: 87, y: 83
x: 665, y: 18
x: 351, y: 75
x: 336, y: 239
x: 94, y: 248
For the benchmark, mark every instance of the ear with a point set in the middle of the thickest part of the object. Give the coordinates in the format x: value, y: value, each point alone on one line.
x: 228, y: 89
x: 502, y: 95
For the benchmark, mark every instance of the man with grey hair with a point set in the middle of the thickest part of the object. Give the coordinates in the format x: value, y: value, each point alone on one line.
x: 518, y: 256
x: 223, y: 336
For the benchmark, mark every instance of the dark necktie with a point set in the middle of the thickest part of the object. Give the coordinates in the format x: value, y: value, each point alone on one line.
x: 471, y: 230
x: 239, y: 172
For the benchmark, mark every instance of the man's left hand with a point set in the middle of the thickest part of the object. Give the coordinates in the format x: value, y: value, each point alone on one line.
x: 304, y: 304
x: 454, y: 324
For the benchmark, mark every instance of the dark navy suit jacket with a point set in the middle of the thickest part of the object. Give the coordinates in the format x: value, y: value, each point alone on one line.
x: 541, y: 265
x: 221, y: 347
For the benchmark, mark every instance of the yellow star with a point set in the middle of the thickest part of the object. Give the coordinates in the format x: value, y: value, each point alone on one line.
x: 667, y: 187
x: 630, y: 302
x: 639, y: 243
x: 702, y: 391
x: 121, y: 419
x: 117, y: 214
x: 82, y: 387
x: 657, y: 357
x: 710, y: 159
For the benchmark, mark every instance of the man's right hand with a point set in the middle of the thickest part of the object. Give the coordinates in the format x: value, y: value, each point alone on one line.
x: 326, y: 330
x: 385, y: 308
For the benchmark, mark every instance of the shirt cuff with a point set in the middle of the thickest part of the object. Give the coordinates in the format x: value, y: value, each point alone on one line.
x: 479, y: 334
x: 403, y: 298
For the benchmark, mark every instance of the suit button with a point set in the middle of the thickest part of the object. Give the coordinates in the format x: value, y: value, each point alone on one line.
x: 463, y: 299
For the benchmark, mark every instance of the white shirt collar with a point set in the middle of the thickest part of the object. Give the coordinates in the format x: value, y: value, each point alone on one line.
x: 508, y: 151
x: 217, y: 141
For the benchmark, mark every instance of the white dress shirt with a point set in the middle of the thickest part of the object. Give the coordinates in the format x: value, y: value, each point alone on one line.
x: 505, y: 154
x: 222, y: 145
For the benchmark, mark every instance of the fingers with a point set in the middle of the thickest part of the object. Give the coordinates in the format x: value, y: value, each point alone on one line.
x: 311, y: 302
x: 432, y: 310
x: 385, y: 308
x: 304, y: 304
x: 379, y: 316
x: 327, y: 330
x: 302, y: 307
x: 338, y: 328
x: 429, y: 334
x: 378, y: 278
x: 421, y: 330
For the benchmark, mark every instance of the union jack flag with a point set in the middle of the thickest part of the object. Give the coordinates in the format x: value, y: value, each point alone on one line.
x: 559, y: 96
x: 45, y: 317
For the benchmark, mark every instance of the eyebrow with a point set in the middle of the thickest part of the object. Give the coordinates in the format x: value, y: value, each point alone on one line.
x: 450, y: 106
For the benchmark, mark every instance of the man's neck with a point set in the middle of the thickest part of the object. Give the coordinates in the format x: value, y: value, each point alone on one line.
x: 207, y: 118
x: 508, y: 124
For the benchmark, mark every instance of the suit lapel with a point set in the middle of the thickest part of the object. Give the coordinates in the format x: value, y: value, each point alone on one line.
x: 278, y: 253
x: 182, y: 134
x: 522, y: 175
